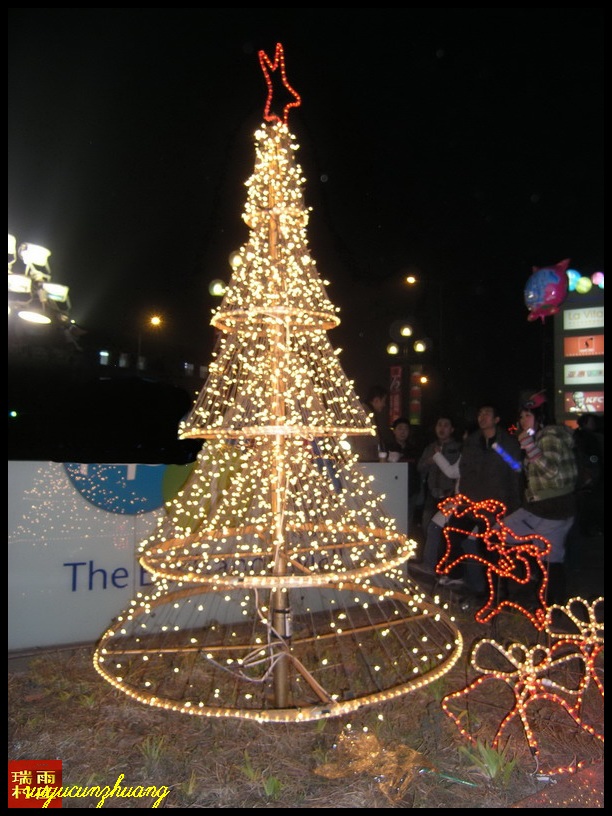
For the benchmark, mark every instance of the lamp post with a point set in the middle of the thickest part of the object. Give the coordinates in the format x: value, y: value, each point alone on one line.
x: 423, y: 282
x: 155, y: 322
x: 400, y: 348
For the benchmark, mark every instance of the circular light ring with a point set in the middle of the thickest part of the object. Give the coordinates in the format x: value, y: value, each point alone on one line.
x: 130, y: 659
x: 301, y: 320
x: 376, y: 551
x: 307, y: 431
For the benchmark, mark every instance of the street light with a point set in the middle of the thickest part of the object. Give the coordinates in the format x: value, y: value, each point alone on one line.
x: 154, y: 322
x: 421, y: 346
x: 217, y: 288
x: 424, y: 282
x: 400, y: 346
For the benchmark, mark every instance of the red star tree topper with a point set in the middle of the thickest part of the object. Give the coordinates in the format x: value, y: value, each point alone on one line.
x: 267, y: 67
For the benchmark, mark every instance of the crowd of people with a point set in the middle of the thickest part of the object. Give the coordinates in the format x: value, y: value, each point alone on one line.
x: 543, y: 479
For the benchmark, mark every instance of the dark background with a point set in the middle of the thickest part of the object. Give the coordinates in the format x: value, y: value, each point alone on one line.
x: 465, y: 145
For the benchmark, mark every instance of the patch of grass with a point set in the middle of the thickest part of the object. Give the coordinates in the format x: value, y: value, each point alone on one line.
x: 494, y: 764
x: 272, y: 786
x: 190, y: 787
x: 152, y: 748
x: 247, y: 769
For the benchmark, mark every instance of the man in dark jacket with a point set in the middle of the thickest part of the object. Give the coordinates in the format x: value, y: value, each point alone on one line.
x: 490, y: 462
x: 489, y: 468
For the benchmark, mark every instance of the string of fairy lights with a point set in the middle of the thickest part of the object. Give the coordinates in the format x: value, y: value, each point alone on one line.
x: 280, y: 592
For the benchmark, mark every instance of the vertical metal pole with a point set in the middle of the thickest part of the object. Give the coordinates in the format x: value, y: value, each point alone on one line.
x: 279, y: 597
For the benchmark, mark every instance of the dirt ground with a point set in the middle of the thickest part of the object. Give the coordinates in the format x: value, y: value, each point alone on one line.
x: 409, y: 752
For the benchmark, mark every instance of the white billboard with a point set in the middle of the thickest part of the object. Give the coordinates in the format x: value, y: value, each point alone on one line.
x: 582, y: 375
x: 73, y: 536
x: 589, y: 317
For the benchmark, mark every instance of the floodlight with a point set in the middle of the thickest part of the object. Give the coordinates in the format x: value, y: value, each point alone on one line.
x: 32, y: 254
x: 56, y: 291
x: 34, y: 314
x: 20, y: 284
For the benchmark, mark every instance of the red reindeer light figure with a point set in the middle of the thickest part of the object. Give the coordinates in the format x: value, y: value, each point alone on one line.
x: 504, y: 554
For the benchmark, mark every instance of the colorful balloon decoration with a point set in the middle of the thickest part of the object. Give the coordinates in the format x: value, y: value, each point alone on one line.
x: 546, y: 290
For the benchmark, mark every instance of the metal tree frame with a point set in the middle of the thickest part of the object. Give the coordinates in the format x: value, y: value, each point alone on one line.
x: 280, y: 590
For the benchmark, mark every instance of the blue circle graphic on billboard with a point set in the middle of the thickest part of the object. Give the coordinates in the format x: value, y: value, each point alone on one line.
x: 128, y: 489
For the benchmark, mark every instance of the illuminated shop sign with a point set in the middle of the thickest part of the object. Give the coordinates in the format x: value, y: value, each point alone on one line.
x: 583, y: 374
x: 583, y: 345
x: 584, y: 402
x: 591, y: 317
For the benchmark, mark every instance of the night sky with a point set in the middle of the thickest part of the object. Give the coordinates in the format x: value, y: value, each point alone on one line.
x: 465, y: 145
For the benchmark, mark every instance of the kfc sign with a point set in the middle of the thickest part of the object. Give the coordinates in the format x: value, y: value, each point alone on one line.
x: 584, y: 402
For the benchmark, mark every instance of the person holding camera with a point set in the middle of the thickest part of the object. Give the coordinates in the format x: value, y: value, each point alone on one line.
x: 548, y: 507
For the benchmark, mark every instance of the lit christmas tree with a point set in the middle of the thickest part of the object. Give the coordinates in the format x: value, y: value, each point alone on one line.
x: 279, y: 588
